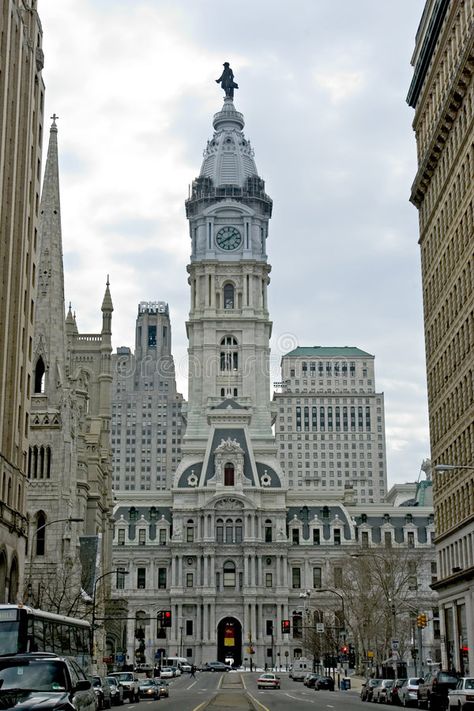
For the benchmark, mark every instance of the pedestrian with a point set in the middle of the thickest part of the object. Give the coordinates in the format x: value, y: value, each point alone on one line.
x: 193, y: 670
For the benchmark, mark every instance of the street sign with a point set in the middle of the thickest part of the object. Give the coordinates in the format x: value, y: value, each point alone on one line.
x: 319, y: 626
x: 370, y: 654
x: 395, y: 645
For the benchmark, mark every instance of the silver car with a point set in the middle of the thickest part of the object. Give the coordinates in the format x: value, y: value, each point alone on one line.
x: 408, y: 692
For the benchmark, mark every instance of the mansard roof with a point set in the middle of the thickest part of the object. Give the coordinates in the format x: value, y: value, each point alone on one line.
x: 327, y: 352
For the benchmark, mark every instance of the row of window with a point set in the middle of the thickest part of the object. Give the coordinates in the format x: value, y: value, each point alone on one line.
x: 39, y: 462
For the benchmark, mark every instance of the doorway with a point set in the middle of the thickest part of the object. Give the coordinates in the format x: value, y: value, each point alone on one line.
x: 229, y: 640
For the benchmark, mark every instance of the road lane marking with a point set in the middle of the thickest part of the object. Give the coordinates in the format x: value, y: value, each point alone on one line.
x: 298, y: 698
x: 191, y: 685
x: 259, y: 703
x: 200, y: 706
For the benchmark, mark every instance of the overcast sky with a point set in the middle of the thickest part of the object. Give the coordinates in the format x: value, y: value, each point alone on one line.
x: 322, y: 88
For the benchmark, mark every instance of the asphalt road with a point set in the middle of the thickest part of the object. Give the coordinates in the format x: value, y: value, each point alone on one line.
x: 188, y: 694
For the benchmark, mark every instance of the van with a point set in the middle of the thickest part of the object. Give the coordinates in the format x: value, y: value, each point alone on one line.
x: 300, y: 668
x: 180, y: 662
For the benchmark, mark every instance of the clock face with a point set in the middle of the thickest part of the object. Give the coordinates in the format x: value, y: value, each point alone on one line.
x: 228, y: 238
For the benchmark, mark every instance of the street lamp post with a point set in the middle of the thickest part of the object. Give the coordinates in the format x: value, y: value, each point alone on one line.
x: 70, y: 519
x: 94, y: 593
x: 342, y: 631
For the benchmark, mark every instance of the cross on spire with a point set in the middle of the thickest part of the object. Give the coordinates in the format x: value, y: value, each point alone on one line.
x: 54, y: 117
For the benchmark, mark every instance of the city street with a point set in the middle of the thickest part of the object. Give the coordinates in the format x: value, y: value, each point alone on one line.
x: 188, y: 694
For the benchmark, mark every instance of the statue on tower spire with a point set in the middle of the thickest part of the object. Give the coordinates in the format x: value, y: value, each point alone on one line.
x: 226, y: 80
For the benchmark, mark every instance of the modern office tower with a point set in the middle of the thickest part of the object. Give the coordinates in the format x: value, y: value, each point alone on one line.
x: 69, y: 498
x: 21, y: 125
x: 146, y: 411
x: 442, y: 94
x: 330, y: 426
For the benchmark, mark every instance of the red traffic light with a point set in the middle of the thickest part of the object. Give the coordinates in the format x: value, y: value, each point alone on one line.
x: 344, y: 649
x: 285, y: 626
x: 166, y: 618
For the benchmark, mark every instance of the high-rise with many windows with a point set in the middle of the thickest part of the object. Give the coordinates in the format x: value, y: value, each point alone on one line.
x: 21, y: 126
x: 442, y: 94
x: 146, y: 409
x: 330, y: 426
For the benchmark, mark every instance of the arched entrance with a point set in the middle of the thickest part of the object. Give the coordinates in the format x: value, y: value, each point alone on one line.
x: 229, y: 640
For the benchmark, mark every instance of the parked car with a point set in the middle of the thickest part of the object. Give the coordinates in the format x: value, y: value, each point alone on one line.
x: 462, y: 697
x: 116, y: 691
x: 368, y: 688
x: 381, y: 692
x: 44, y: 681
x: 130, y: 685
x: 176, y: 671
x: 433, y: 689
x: 167, y: 673
x: 393, y: 695
x: 149, y: 689
x: 215, y: 666
x: 324, y: 682
x: 102, y: 691
x: 268, y: 681
x: 408, y: 692
x: 310, y: 680
x: 164, y: 688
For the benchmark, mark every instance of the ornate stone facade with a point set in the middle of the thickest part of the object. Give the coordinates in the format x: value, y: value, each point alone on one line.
x: 442, y: 94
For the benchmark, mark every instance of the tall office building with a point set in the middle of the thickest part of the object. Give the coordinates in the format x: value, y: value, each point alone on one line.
x: 330, y: 426
x: 442, y: 94
x: 21, y: 125
x: 146, y: 410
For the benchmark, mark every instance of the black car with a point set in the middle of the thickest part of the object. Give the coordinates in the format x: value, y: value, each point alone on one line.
x: 44, y: 681
x: 433, y: 689
x: 216, y: 667
x: 324, y: 682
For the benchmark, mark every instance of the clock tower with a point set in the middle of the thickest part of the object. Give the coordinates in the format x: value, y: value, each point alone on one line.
x: 229, y: 327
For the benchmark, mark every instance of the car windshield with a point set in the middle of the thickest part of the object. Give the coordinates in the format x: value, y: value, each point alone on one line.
x: 447, y: 678
x: 469, y: 683
x: 32, y: 676
x: 124, y: 676
x: 112, y: 680
x: 147, y: 682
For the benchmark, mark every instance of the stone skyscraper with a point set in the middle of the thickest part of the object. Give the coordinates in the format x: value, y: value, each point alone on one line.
x: 146, y: 409
x: 21, y: 133
x: 442, y: 94
x: 330, y: 426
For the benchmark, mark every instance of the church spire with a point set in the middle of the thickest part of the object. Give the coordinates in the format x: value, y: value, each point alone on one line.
x: 49, y: 333
x: 107, y: 309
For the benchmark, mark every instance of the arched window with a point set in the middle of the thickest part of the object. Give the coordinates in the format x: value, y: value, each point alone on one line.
x: 190, y: 531
x: 229, y: 354
x: 229, y: 296
x: 220, y: 530
x: 268, y: 531
x: 228, y: 474
x: 39, y: 375
x: 13, y: 587
x: 229, y: 531
x: 41, y: 462
x: 40, y: 533
x: 48, y: 463
x: 229, y: 574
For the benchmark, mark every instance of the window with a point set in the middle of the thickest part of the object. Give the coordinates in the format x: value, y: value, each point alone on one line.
x: 229, y: 474
x: 295, y: 536
x: 337, y: 536
x: 121, y: 537
x: 297, y: 626
x: 220, y: 530
x: 190, y: 532
x: 317, y: 577
x: 316, y: 536
x: 229, y: 574
x: 189, y: 580
x: 238, y: 531
x: 40, y: 533
x: 162, y: 536
x: 365, y: 539
x: 189, y: 628
x: 161, y: 578
x: 39, y: 375
x: 229, y: 531
x: 229, y: 296
x: 296, y: 577
x: 152, y: 336
x: 411, y: 539
x: 141, y: 537
x: 141, y: 578
x: 268, y: 580
x: 387, y: 537
x: 338, y: 577
x: 269, y: 627
x: 229, y: 357
x: 120, y: 580
x: 268, y: 531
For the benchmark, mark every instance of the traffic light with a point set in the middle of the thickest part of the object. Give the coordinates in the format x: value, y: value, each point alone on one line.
x: 285, y: 627
x: 166, y: 618
x: 421, y: 620
x: 344, y: 649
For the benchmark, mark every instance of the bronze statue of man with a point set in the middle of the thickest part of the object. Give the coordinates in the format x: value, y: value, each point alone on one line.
x: 226, y: 80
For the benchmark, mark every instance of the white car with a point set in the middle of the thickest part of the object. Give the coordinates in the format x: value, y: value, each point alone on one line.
x: 408, y: 692
x: 462, y: 697
x: 167, y: 673
x: 268, y: 681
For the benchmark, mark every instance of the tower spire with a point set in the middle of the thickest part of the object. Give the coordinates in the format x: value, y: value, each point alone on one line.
x: 49, y: 332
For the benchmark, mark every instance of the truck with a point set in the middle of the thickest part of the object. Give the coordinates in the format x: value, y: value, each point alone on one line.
x: 300, y: 668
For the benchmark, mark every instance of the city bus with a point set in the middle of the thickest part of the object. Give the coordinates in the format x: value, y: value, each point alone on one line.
x: 25, y: 629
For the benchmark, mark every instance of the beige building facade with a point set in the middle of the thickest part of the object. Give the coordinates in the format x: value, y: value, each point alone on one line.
x: 442, y: 94
x: 21, y: 125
